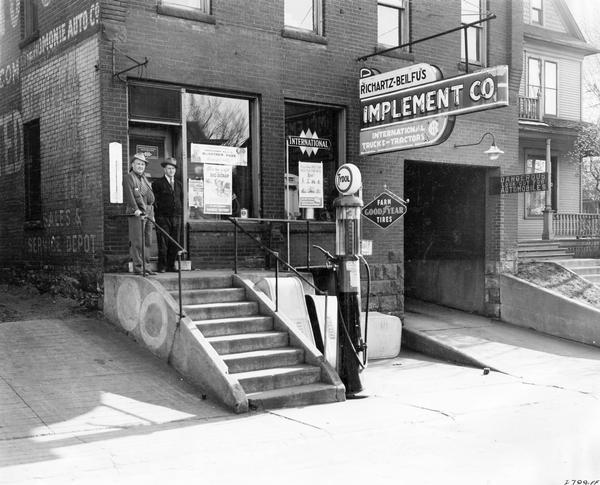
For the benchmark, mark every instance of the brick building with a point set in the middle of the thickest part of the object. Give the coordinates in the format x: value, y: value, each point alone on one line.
x: 85, y: 84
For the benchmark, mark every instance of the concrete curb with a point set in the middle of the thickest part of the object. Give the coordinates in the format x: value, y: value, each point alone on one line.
x: 425, y: 344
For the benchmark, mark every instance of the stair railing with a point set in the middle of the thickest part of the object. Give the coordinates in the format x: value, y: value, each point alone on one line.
x: 278, y: 261
x: 180, y: 250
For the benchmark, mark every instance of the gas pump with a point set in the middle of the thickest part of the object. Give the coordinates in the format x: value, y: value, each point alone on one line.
x: 347, y: 270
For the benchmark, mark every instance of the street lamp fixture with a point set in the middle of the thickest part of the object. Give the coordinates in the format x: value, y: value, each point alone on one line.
x: 493, y: 152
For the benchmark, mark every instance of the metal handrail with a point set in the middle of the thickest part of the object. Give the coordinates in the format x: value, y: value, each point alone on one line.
x: 278, y: 260
x: 179, y: 253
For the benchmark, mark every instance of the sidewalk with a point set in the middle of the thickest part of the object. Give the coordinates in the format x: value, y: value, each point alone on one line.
x: 81, y: 403
x: 481, y: 342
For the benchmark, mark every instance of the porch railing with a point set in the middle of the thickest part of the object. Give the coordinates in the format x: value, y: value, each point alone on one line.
x: 576, y: 225
x: 529, y: 108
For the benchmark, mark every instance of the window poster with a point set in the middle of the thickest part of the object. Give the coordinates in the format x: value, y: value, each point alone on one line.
x: 218, y: 192
x: 219, y: 154
x: 310, y: 185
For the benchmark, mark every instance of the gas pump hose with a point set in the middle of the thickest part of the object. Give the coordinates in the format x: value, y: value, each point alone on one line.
x: 364, y: 261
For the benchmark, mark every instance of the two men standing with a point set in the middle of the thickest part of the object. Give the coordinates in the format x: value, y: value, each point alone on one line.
x: 168, y: 209
x: 164, y: 200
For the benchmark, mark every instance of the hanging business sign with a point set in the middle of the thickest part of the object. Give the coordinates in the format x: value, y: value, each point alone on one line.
x: 410, y: 107
x: 515, y: 184
x: 415, y: 134
x: 385, y: 209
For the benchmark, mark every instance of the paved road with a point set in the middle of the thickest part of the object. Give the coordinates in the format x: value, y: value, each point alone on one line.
x: 80, y: 403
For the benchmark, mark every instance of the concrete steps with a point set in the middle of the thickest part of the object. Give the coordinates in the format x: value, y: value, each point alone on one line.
x: 529, y: 251
x: 588, y: 269
x: 272, y: 373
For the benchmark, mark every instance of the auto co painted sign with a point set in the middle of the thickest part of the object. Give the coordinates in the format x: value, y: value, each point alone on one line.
x: 403, y: 113
x: 385, y: 209
x: 515, y: 184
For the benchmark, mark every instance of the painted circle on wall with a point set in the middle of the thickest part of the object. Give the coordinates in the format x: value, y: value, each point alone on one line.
x: 128, y: 304
x: 153, y: 320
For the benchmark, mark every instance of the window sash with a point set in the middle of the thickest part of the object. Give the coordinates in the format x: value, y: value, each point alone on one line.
x: 200, y: 5
x: 29, y: 21
x: 471, y: 11
x: 537, y: 12
x: 33, y: 172
x: 534, y: 77
x: 392, y: 23
x: 304, y: 15
x: 550, y: 88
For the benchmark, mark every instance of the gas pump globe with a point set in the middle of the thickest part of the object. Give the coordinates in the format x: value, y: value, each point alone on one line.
x: 348, y: 206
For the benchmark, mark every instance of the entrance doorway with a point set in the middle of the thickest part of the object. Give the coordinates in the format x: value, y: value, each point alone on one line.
x: 444, y: 244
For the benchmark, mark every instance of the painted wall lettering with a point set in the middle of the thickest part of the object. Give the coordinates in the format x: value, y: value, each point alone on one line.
x: 11, y: 142
x: 60, y: 245
x: 47, y: 42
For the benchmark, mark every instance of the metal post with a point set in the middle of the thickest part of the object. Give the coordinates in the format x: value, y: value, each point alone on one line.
x: 143, y: 247
x: 466, y: 37
x: 548, y: 230
x: 179, y: 281
x: 235, y: 249
x: 308, y: 244
x: 276, y: 283
x: 288, y: 194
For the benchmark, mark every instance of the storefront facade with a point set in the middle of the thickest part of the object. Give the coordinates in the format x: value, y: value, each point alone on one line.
x: 209, y: 80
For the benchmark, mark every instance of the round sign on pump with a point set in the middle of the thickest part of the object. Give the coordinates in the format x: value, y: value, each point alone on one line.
x: 348, y: 179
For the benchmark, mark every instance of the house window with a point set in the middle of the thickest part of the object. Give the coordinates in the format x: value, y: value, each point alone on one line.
x: 550, y: 88
x: 29, y: 20
x: 219, y: 150
x: 534, y: 77
x: 393, y: 23
x: 543, y: 84
x: 312, y: 198
x: 33, y: 171
x: 305, y: 15
x: 535, y: 202
x: 537, y: 12
x: 474, y: 46
x: 200, y: 5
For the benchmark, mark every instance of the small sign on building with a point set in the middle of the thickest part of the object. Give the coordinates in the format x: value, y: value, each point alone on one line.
x: 515, y: 184
x: 385, y: 209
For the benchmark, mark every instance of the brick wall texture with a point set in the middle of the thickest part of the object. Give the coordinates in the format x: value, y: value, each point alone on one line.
x: 82, y: 107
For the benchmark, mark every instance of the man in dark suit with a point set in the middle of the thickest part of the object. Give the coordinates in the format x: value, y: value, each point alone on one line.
x: 168, y: 209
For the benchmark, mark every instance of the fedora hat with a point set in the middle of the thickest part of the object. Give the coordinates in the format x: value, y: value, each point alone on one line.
x: 139, y: 156
x: 169, y: 161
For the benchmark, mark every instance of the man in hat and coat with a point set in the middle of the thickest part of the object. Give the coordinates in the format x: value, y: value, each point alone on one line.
x: 139, y: 198
x: 168, y: 208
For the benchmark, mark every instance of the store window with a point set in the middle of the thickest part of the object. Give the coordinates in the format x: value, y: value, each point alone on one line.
x: 219, y: 161
x: 535, y: 202
x: 474, y: 46
x: 309, y: 189
x: 393, y: 23
x: 537, y: 12
x: 304, y: 15
x: 216, y: 163
x: 33, y: 171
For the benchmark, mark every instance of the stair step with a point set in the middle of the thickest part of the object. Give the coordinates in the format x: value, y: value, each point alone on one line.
x: 229, y: 344
x: 592, y: 278
x: 585, y: 270
x: 231, y: 326
x: 212, y: 295
x: 277, y: 378
x: 194, y: 282
x: 263, y: 359
x: 293, y: 396
x: 541, y: 256
x: 209, y: 311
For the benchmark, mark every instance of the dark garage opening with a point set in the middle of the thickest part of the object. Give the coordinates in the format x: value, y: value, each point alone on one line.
x: 444, y: 227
